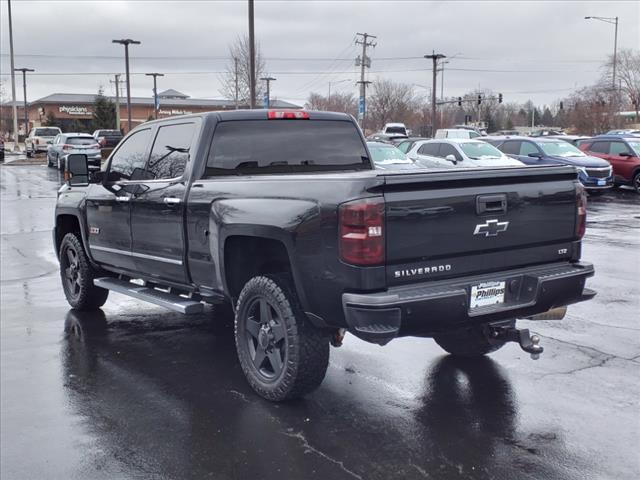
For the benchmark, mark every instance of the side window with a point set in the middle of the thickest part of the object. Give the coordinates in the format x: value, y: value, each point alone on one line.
x: 429, y: 149
x: 170, y: 151
x: 599, y: 147
x: 129, y: 160
x: 446, y: 149
x: 511, y: 147
x: 404, y: 146
x: 526, y: 148
x: 616, y: 148
x: 474, y: 135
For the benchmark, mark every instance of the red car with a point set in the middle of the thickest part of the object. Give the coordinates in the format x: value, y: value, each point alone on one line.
x: 623, y: 152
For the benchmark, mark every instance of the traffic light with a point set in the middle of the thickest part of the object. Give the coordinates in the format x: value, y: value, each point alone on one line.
x: 561, y: 106
x: 459, y: 101
x: 499, y: 98
x: 479, y: 99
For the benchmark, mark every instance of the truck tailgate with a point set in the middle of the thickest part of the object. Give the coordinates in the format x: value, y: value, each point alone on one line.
x: 446, y: 224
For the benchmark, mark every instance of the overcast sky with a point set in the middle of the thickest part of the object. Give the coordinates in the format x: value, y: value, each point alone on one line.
x: 526, y: 50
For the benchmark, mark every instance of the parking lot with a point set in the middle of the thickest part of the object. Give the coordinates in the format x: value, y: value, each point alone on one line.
x: 135, y: 391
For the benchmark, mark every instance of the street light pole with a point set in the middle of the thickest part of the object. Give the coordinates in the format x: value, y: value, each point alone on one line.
x: 24, y: 87
x: 612, y: 21
x: 155, y: 91
x: 252, y: 60
x: 268, y: 80
x: 126, y: 42
x: 13, y: 84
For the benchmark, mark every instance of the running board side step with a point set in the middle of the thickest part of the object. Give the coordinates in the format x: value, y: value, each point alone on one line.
x: 163, y: 299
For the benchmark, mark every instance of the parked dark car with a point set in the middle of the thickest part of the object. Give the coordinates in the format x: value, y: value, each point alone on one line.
x: 281, y: 215
x: 107, y: 138
x: 622, y: 152
x: 594, y: 173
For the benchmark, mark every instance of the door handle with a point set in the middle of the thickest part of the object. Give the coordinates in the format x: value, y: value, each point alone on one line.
x: 171, y: 200
x: 123, y: 199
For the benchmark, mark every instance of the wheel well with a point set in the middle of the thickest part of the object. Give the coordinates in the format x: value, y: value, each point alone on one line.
x: 65, y: 224
x: 245, y: 257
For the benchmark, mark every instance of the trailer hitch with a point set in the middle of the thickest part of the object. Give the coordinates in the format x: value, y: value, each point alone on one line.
x: 529, y: 343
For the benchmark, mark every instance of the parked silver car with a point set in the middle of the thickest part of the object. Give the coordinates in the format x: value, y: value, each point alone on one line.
x: 67, y: 143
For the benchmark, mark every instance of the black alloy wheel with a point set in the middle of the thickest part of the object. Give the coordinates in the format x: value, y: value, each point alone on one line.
x: 266, y: 339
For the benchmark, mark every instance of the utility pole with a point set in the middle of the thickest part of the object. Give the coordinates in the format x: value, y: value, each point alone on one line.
x: 268, y: 80
x: 126, y: 42
x: 442, y: 80
x: 13, y: 84
x: 117, y: 82
x: 252, y: 60
x: 435, y: 57
x: 155, y: 91
x: 235, y: 63
x: 24, y: 86
x: 364, y: 61
x: 612, y: 21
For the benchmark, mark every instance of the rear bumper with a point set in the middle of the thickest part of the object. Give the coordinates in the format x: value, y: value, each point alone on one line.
x: 435, y: 307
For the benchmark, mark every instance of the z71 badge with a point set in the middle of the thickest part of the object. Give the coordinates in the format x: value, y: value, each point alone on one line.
x: 94, y: 230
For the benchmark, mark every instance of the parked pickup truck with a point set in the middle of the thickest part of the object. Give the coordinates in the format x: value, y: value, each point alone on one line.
x: 281, y: 215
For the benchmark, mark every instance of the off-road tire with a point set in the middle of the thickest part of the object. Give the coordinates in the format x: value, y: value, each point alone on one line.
x: 305, y: 348
x: 469, y: 342
x: 80, y: 291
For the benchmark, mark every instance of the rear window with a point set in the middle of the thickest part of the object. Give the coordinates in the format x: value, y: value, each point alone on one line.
x: 109, y: 133
x: 46, y: 132
x: 80, y: 141
x: 285, y: 146
x: 401, y: 130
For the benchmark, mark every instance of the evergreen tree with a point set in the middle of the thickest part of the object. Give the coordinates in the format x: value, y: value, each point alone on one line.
x: 104, y: 111
x: 51, y: 120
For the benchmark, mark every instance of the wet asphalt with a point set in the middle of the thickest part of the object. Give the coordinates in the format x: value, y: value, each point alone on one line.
x: 136, y: 392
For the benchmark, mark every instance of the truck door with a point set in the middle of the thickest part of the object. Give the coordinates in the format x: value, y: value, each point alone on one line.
x: 157, y: 211
x: 108, y: 203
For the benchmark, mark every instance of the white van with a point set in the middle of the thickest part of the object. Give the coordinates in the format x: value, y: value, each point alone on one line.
x: 456, y: 133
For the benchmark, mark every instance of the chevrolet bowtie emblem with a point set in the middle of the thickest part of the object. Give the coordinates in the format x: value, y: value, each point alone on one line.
x: 491, y: 228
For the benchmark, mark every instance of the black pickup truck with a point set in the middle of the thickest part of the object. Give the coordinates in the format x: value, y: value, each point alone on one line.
x: 280, y: 216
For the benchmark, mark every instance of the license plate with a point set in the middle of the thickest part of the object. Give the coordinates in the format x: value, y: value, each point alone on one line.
x: 488, y: 293
x: 602, y: 182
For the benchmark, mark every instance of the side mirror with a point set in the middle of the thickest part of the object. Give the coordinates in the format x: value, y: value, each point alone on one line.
x: 76, y: 171
x: 451, y: 158
x: 535, y: 155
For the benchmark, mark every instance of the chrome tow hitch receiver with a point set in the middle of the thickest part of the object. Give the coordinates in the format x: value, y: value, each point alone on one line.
x: 529, y: 343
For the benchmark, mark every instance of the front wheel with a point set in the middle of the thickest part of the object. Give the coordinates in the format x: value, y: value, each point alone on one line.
x: 470, y: 341
x: 77, y: 276
x: 282, y: 355
x: 636, y: 182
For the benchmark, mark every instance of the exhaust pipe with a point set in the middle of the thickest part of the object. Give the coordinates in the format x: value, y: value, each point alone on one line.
x: 553, y: 314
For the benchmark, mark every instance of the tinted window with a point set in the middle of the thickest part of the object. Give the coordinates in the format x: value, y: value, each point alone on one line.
x: 474, y: 135
x: 526, y: 148
x: 404, y: 146
x: 599, y: 147
x: 446, y: 149
x: 128, y: 161
x: 511, y: 148
x: 616, y: 148
x: 46, y: 132
x: 429, y: 149
x: 285, y: 146
x: 81, y: 141
x: 401, y: 130
x: 170, y: 151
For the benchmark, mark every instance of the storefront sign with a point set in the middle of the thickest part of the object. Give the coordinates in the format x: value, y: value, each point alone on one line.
x: 174, y: 112
x: 74, y: 110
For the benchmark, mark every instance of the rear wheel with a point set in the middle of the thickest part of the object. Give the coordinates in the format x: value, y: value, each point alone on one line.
x: 282, y: 355
x: 77, y: 276
x: 636, y: 182
x: 470, y: 341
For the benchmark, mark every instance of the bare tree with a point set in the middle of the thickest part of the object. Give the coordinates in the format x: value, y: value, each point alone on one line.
x: 392, y: 102
x: 338, y: 102
x: 240, y: 50
x: 627, y: 73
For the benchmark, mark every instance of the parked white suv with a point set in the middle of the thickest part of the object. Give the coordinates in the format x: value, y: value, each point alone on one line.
x: 456, y: 133
x: 39, y: 139
x: 395, y: 130
x: 459, y: 153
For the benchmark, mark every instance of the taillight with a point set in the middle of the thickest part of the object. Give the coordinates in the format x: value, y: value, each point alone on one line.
x: 95, y: 145
x: 362, y: 231
x: 67, y: 147
x: 581, y: 211
x: 287, y: 115
x: 102, y: 141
